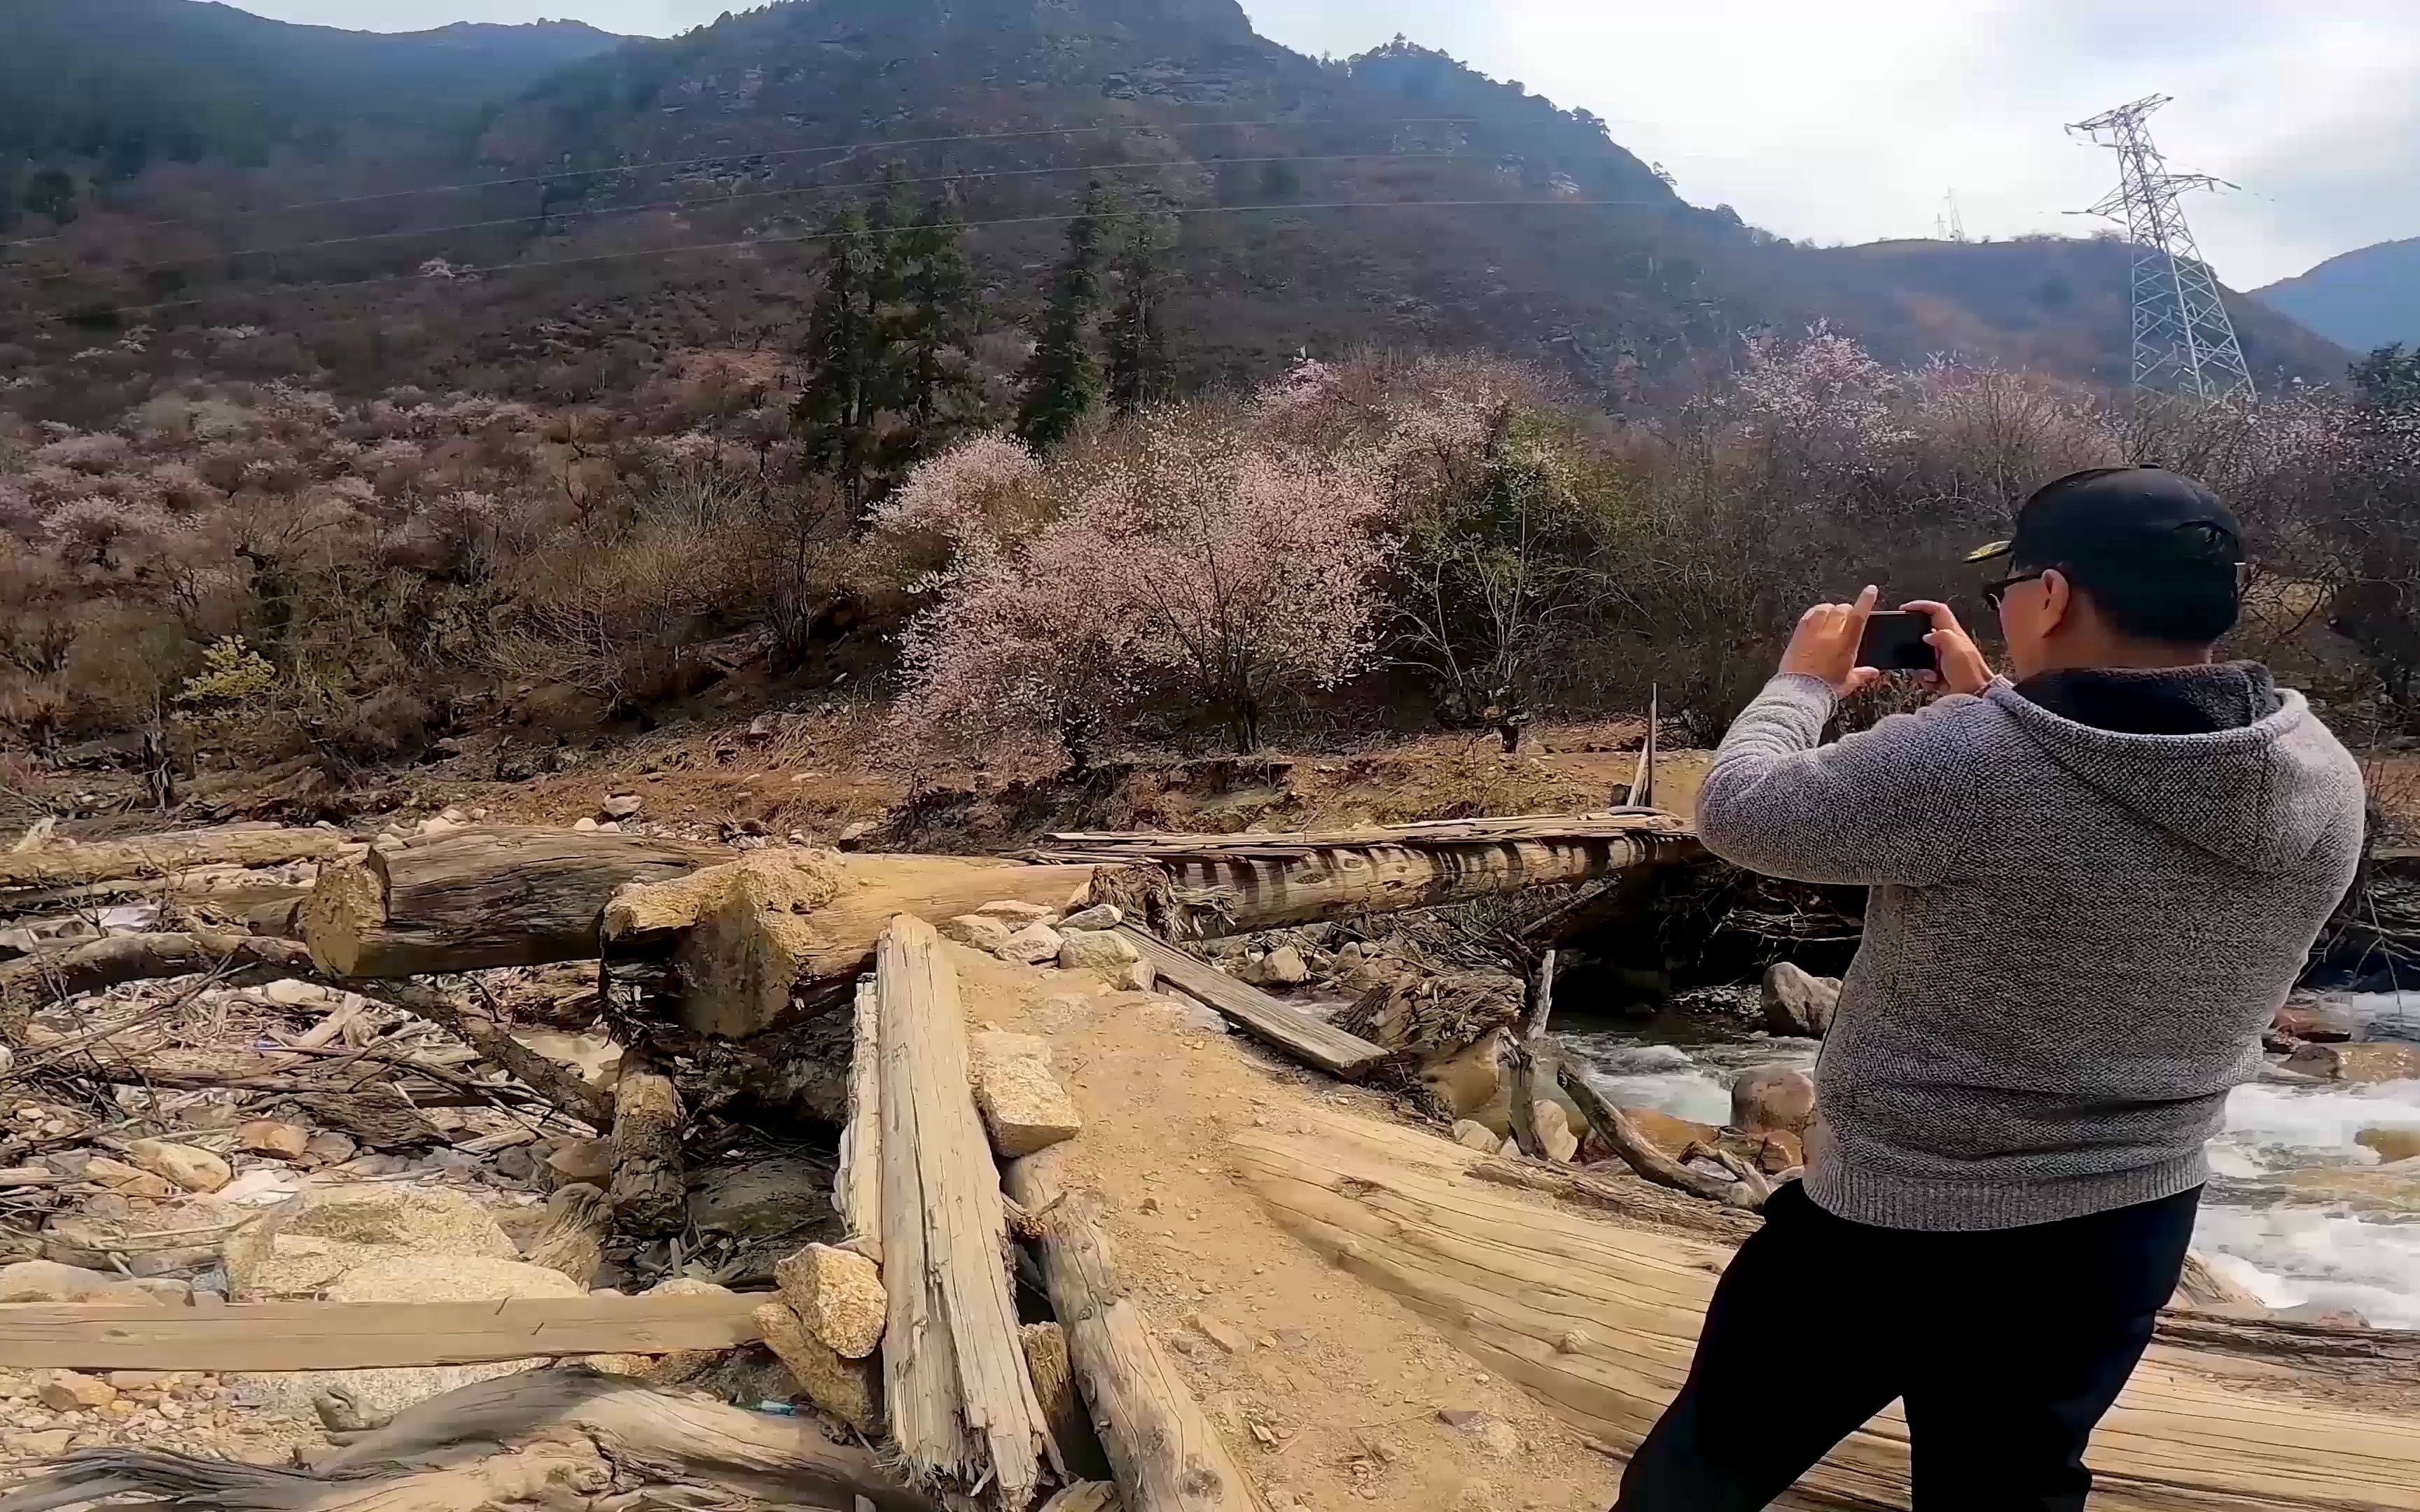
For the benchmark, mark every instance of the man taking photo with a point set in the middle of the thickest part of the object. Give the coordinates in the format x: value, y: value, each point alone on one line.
x: 2092, y: 888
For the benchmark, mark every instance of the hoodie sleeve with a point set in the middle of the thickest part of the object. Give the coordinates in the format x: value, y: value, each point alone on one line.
x: 1873, y: 809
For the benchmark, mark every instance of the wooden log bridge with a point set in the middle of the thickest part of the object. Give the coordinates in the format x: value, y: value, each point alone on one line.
x: 1242, y: 883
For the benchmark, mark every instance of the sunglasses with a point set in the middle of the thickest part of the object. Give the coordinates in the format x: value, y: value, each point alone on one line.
x: 1997, y: 593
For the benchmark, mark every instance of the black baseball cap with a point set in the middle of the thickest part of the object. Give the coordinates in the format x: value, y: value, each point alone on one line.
x: 2143, y: 541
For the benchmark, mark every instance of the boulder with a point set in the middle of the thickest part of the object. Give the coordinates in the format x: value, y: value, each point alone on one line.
x: 622, y: 806
x: 1476, y: 1136
x: 763, y: 1200
x: 2391, y: 1143
x: 49, y: 1281
x: 1099, y: 916
x: 838, y: 1296
x: 47, y: 1443
x: 2370, y: 1063
x: 72, y: 1391
x: 1282, y: 967
x: 1024, y: 1108
x: 401, y: 1276
x: 850, y: 1390
x: 1553, y: 1126
x: 277, y: 1141
x: 126, y: 1180
x: 195, y: 1170
x: 686, y: 1285
x: 2314, y: 1020
x: 1668, y: 1134
x: 1135, y: 977
x: 1017, y: 916
x: 981, y: 931
x: 1468, y: 1080
x: 1030, y: 946
x: 329, y: 1147
x: 1796, y: 1003
x: 263, y: 1265
x: 1771, y: 1098
x: 426, y: 1220
x: 1094, y: 951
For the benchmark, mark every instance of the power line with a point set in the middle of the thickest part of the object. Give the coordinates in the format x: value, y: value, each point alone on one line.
x: 725, y: 199
x: 81, y: 316
x: 847, y: 150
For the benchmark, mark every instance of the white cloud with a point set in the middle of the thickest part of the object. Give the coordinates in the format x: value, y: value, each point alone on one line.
x: 1848, y: 120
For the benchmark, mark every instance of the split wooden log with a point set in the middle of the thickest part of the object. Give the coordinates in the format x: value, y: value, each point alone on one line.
x: 154, y: 855
x: 1257, y: 882
x: 579, y: 1432
x: 1164, y: 1452
x: 650, y: 1177
x: 1310, y: 1040
x: 1520, y: 1055
x: 857, y: 1193
x: 480, y: 898
x: 960, y: 1403
x: 1623, y: 1138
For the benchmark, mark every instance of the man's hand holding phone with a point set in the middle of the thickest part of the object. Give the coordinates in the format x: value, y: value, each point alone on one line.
x: 1831, y: 645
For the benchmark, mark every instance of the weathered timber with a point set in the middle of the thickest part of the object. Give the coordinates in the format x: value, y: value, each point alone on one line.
x: 1520, y: 1056
x: 1244, y: 883
x: 749, y: 936
x: 1641, y: 1155
x: 331, y: 1335
x: 1163, y: 1450
x: 473, y: 1021
x: 156, y: 855
x: 961, y: 1406
x: 1599, y: 1321
x: 487, y: 897
x: 650, y: 1177
x: 231, y: 890
x: 857, y: 1190
x: 1310, y: 1039
x: 46, y: 975
x: 542, y: 1438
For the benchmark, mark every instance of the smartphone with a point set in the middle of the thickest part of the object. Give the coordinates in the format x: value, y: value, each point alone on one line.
x: 1895, y: 643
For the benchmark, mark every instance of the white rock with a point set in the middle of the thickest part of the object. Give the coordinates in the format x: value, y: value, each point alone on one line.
x: 1031, y: 946
x: 1135, y: 977
x: 437, y: 828
x: 1282, y: 967
x: 584, y: 824
x: 838, y: 1295
x: 455, y: 816
x: 1024, y: 1108
x: 401, y: 1276
x: 195, y: 1170
x: 981, y: 931
x: 1476, y: 1135
x: 289, y: 992
x: 1101, y: 915
x: 623, y: 805
x: 1095, y: 951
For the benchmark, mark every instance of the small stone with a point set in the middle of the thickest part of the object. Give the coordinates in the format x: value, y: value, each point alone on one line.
x: 2391, y: 1143
x: 140, y: 1380
x: 329, y: 1147
x: 1024, y: 1108
x: 125, y: 1180
x: 195, y: 1170
x: 622, y: 806
x: 277, y: 1141
x: 1476, y: 1135
x: 853, y: 836
x: 1094, y: 951
x: 1282, y: 967
x: 286, y: 992
x: 1494, y: 1434
x: 1225, y: 1336
x: 43, y: 1445
x: 1781, y: 1152
x: 1148, y: 1205
x: 589, y: 1161
x: 850, y: 1390
x: 1135, y: 977
x: 981, y: 931
x: 50, y: 1281
x: 585, y: 826
x: 1030, y: 946
x: 838, y: 1296
x: 455, y: 816
x: 1099, y: 916
x: 1575, y: 1341
x: 71, y: 1391
x: 1555, y: 1137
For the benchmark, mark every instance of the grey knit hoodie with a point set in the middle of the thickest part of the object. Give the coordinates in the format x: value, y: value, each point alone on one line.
x: 2074, y: 939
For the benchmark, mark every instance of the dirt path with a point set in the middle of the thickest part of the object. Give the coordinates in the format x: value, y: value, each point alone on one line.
x: 1335, y: 1394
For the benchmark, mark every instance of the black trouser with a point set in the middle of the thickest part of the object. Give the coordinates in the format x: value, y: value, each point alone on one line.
x: 2007, y: 1348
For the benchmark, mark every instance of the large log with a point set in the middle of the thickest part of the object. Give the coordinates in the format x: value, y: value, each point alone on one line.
x: 1164, y: 1452
x: 1599, y: 1321
x: 961, y: 1405
x: 480, y: 898
x: 46, y: 976
x: 154, y: 855
x: 1243, y: 882
x: 650, y: 1177
x: 1308, y: 1038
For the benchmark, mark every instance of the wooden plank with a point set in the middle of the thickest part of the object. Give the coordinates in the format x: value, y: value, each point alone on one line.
x: 334, y: 1336
x: 1303, y: 1036
x: 857, y: 1193
x: 960, y: 1401
x: 1165, y: 1453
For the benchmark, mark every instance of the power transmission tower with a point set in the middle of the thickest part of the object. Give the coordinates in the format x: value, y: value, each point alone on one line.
x: 1950, y: 224
x: 2184, y: 343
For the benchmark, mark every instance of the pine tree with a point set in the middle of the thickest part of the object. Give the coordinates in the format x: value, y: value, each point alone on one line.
x: 839, y: 413
x: 934, y: 329
x: 1063, y: 381
x: 1136, y: 330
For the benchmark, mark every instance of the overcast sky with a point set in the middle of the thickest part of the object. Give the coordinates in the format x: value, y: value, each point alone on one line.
x: 1848, y: 121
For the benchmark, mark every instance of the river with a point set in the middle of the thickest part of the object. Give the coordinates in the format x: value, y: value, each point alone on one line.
x: 2288, y: 1246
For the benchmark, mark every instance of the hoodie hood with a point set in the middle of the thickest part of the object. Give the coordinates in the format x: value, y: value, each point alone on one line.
x: 2217, y: 756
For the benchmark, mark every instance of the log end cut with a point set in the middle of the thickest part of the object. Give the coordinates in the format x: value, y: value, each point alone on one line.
x: 347, y: 908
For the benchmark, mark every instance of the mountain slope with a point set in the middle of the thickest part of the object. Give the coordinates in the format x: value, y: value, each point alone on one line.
x: 124, y: 82
x: 2362, y: 300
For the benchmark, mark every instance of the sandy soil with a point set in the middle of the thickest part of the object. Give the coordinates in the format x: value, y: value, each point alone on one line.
x: 1335, y: 1392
